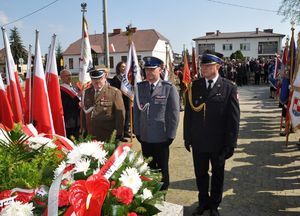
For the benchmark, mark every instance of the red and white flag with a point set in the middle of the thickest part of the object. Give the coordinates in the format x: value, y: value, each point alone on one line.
x: 86, y: 59
x: 12, y: 87
x: 54, y: 91
x: 41, y: 112
x: 6, y: 114
x: 28, y: 89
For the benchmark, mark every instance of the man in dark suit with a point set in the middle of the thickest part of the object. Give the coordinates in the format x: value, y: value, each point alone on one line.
x: 211, y: 126
x: 156, y: 117
x: 70, y: 101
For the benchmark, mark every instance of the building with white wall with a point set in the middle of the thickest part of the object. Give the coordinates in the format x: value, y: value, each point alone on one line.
x: 253, y: 44
x: 147, y: 42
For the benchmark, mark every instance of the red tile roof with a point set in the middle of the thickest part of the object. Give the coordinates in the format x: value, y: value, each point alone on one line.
x: 144, y: 40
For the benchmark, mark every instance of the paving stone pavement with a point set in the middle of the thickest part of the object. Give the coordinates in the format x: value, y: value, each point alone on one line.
x: 263, y: 176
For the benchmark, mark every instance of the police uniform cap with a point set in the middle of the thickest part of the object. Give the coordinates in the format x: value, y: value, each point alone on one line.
x: 211, y: 57
x: 152, y: 62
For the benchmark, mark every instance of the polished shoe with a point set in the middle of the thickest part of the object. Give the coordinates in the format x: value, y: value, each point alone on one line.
x: 200, y: 210
x: 214, y: 212
x: 123, y: 139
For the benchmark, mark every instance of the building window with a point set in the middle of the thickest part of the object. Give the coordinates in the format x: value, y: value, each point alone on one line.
x: 245, y: 46
x: 268, y: 47
x: 71, y: 64
x: 227, y: 47
x: 203, y: 47
x: 111, y: 61
x: 124, y: 58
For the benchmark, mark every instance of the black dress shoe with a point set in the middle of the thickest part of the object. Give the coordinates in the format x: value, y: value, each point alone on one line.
x: 200, y: 210
x: 214, y: 212
x: 128, y: 135
x: 123, y: 139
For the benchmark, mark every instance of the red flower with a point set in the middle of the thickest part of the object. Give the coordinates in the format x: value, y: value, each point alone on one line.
x: 131, y: 214
x: 144, y: 178
x: 113, y: 183
x: 24, y: 197
x: 123, y: 194
x: 63, y: 198
x: 87, y: 197
x: 5, y: 194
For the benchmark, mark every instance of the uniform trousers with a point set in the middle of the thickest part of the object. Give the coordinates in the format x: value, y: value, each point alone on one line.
x: 201, y: 166
x: 160, y: 154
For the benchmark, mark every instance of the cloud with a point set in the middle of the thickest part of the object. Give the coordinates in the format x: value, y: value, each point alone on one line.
x: 3, y: 18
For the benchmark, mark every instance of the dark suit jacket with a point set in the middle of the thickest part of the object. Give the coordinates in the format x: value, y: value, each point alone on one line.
x: 220, y: 125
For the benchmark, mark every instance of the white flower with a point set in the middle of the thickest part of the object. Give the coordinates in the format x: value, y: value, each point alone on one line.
x: 82, y: 165
x: 59, y: 169
x: 93, y: 149
x: 131, y: 178
x: 17, y: 208
x: 147, y: 194
x: 37, y: 142
x: 144, y: 168
x: 139, y: 161
x: 131, y: 156
x: 74, y: 155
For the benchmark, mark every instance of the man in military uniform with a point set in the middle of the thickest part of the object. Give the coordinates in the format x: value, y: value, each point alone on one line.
x: 70, y: 101
x: 211, y: 126
x: 103, y: 106
x: 156, y: 116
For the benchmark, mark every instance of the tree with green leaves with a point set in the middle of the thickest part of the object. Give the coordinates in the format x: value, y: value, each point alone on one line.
x: 237, y: 55
x: 16, y: 45
x: 59, y: 55
x: 290, y: 9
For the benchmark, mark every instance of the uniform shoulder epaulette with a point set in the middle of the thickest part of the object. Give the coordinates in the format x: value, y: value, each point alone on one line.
x: 229, y: 81
x: 166, y: 82
x: 142, y: 82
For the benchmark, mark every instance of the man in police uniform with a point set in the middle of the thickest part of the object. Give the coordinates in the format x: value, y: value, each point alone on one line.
x: 211, y: 126
x: 103, y: 106
x: 156, y: 116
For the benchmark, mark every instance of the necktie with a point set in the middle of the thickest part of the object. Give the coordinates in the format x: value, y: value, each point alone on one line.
x: 209, y: 84
x: 151, y: 88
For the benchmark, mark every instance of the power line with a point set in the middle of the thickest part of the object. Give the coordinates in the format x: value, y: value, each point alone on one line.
x: 243, y: 6
x: 23, y: 17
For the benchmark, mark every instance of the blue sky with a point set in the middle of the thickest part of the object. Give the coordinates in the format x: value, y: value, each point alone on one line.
x: 179, y: 21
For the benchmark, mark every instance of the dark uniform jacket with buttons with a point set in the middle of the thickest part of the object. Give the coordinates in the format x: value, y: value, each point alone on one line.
x: 218, y: 126
x: 159, y: 121
x: 108, y: 113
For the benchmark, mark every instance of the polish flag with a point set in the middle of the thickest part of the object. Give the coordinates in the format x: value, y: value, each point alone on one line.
x: 28, y: 88
x: 6, y: 114
x: 54, y: 91
x: 12, y: 89
x: 41, y: 112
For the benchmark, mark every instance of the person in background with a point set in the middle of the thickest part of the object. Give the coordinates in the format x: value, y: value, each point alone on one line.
x: 156, y: 117
x: 116, y: 82
x: 211, y: 127
x: 103, y: 106
x: 70, y: 100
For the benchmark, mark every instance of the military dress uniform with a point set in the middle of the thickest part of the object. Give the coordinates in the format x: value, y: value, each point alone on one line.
x: 105, y: 112
x: 156, y: 117
x: 212, y: 133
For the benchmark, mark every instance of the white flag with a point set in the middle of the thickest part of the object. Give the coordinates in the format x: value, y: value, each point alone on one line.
x: 86, y: 56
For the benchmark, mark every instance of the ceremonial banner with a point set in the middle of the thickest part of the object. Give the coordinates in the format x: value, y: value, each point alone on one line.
x: 86, y: 54
x: 12, y: 87
x: 6, y: 114
x: 28, y: 89
x: 41, y: 112
x: 194, y: 64
x: 132, y: 73
x: 54, y: 92
x: 186, y: 71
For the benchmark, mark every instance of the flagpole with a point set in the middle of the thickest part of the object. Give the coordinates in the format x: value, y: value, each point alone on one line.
x: 29, y: 83
x: 291, y: 85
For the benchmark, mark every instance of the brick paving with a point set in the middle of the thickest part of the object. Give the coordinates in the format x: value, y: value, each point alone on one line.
x: 263, y: 176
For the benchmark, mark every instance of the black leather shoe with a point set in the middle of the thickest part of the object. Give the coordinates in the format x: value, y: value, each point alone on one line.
x: 200, y: 210
x: 127, y: 135
x: 123, y: 139
x: 214, y: 212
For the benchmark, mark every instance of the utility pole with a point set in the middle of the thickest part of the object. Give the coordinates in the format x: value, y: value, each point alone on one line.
x: 105, y: 35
